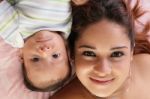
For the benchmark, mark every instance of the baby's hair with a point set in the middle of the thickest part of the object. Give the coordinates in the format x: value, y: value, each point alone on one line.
x: 31, y: 86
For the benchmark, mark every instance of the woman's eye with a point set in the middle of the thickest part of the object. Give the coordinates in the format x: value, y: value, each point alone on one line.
x: 35, y: 59
x: 117, y: 54
x: 56, y: 55
x: 89, y: 53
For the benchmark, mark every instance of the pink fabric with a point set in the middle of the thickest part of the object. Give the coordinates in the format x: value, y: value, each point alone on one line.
x: 11, y: 80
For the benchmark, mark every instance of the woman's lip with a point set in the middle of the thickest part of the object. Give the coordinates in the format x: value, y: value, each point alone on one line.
x: 101, y: 81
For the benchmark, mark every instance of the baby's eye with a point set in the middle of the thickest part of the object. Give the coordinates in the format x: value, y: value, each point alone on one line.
x: 89, y: 53
x: 117, y: 54
x: 35, y: 59
x: 56, y: 55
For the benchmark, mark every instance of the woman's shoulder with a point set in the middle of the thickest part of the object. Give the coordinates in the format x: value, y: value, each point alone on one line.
x: 70, y: 91
x: 142, y: 59
x: 142, y: 65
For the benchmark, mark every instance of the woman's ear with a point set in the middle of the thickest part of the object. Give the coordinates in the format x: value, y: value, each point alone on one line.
x: 70, y: 57
x: 21, y: 55
x: 132, y: 53
x: 79, y: 2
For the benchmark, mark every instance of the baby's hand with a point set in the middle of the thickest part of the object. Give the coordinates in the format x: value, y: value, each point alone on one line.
x: 79, y: 2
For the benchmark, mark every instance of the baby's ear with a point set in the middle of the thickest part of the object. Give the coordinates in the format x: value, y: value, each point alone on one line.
x: 21, y: 55
x: 79, y: 2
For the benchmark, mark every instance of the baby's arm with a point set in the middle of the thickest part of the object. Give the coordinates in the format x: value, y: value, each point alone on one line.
x: 9, y: 25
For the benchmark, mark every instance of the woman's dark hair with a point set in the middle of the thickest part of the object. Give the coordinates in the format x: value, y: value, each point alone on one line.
x: 117, y: 11
x: 93, y: 11
x: 142, y: 44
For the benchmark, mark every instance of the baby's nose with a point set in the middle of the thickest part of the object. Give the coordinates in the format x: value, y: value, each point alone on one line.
x: 44, y: 51
x: 45, y: 48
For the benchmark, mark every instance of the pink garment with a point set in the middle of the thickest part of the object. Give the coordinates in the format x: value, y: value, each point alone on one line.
x: 11, y: 79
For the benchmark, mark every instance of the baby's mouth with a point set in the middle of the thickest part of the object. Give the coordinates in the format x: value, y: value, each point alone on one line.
x: 43, y: 40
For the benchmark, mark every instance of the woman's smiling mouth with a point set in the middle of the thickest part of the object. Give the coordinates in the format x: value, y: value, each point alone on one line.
x: 102, y: 81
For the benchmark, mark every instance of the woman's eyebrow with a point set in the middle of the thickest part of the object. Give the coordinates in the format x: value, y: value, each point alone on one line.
x: 114, y: 48
x: 87, y: 46
x: 119, y: 47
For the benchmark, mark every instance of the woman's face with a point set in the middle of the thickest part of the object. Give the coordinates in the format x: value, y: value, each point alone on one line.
x: 102, y: 57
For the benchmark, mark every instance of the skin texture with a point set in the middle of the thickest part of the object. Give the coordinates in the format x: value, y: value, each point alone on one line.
x: 45, y: 59
x: 79, y: 2
x: 97, y: 63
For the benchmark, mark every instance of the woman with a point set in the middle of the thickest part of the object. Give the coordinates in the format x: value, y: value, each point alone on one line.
x: 101, y: 46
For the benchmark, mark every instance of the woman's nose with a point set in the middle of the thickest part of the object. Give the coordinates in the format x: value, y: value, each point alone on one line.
x: 103, y: 67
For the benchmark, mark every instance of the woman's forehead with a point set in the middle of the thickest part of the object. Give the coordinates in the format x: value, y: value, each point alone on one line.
x: 104, y: 28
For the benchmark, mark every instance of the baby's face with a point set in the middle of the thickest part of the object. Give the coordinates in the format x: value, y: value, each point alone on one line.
x: 45, y: 59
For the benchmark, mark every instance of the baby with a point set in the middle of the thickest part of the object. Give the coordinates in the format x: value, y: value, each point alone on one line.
x: 39, y: 28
